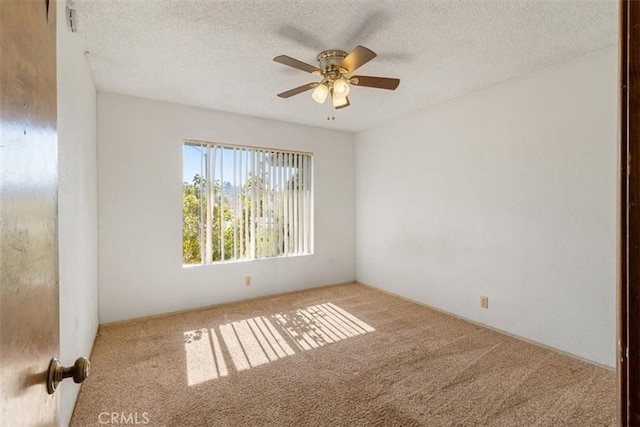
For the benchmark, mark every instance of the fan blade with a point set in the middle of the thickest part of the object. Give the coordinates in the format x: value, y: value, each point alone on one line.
x: 357, y: 58
x: 298, y: 90
x: 377, y: 82
x: 291, y: 62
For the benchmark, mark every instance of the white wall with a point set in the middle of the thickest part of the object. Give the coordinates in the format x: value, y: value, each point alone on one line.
x: 77, y: 207
x: 140, y: 209
x: 508, y: 192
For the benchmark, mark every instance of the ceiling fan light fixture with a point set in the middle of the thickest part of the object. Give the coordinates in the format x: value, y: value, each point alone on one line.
x: 340, y: 101
x: 341, y: 88
x: 335, y: 66
x: 320, y: 94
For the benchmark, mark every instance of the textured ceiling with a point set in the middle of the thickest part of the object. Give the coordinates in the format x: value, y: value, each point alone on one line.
x: 218, y: 54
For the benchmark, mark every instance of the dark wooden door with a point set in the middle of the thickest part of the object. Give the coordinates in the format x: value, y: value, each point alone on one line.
x: 28, y: 211
x: 629, y: 360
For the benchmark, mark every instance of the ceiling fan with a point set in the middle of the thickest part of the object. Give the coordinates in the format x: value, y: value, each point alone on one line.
x: 335, y: 67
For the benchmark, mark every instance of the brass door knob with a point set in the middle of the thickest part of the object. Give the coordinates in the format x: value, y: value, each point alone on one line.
x: 79, y: 371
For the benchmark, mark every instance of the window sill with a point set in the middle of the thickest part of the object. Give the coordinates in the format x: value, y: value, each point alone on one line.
x: 238, y: 261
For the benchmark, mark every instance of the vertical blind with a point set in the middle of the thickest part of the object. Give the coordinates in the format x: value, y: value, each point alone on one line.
x: 252, y: 203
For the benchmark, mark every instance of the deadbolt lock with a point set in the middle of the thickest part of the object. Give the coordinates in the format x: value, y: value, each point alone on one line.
x: 79, y: 371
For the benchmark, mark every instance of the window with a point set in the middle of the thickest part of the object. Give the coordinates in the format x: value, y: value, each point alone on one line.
x: 243, y: 203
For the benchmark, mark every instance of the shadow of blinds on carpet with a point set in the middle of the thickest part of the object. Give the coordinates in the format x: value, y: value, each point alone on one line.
x: 264, y: 339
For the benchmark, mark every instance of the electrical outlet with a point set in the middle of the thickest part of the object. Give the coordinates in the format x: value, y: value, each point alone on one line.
x: 247, y: 280
x: 484, y: 301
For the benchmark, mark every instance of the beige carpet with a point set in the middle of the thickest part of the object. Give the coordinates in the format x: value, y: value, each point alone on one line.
x: 337, y: 356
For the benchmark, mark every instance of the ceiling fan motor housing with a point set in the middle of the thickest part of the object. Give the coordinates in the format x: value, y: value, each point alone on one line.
x: 329, y: 60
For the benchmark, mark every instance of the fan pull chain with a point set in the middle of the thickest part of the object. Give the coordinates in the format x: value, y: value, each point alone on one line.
x: 332, y: 111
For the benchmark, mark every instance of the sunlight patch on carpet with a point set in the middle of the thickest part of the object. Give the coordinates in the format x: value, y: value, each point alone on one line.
x: 260, y: 340
x: 321, y: 324
x: 202, y: 365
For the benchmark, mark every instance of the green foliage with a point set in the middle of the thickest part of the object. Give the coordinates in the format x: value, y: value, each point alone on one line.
x: 190, y: 226
x: 191, y: 220
x: 194, y: 212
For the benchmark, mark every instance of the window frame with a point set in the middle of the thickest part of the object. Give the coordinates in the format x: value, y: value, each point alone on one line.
x: 305, y: 169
